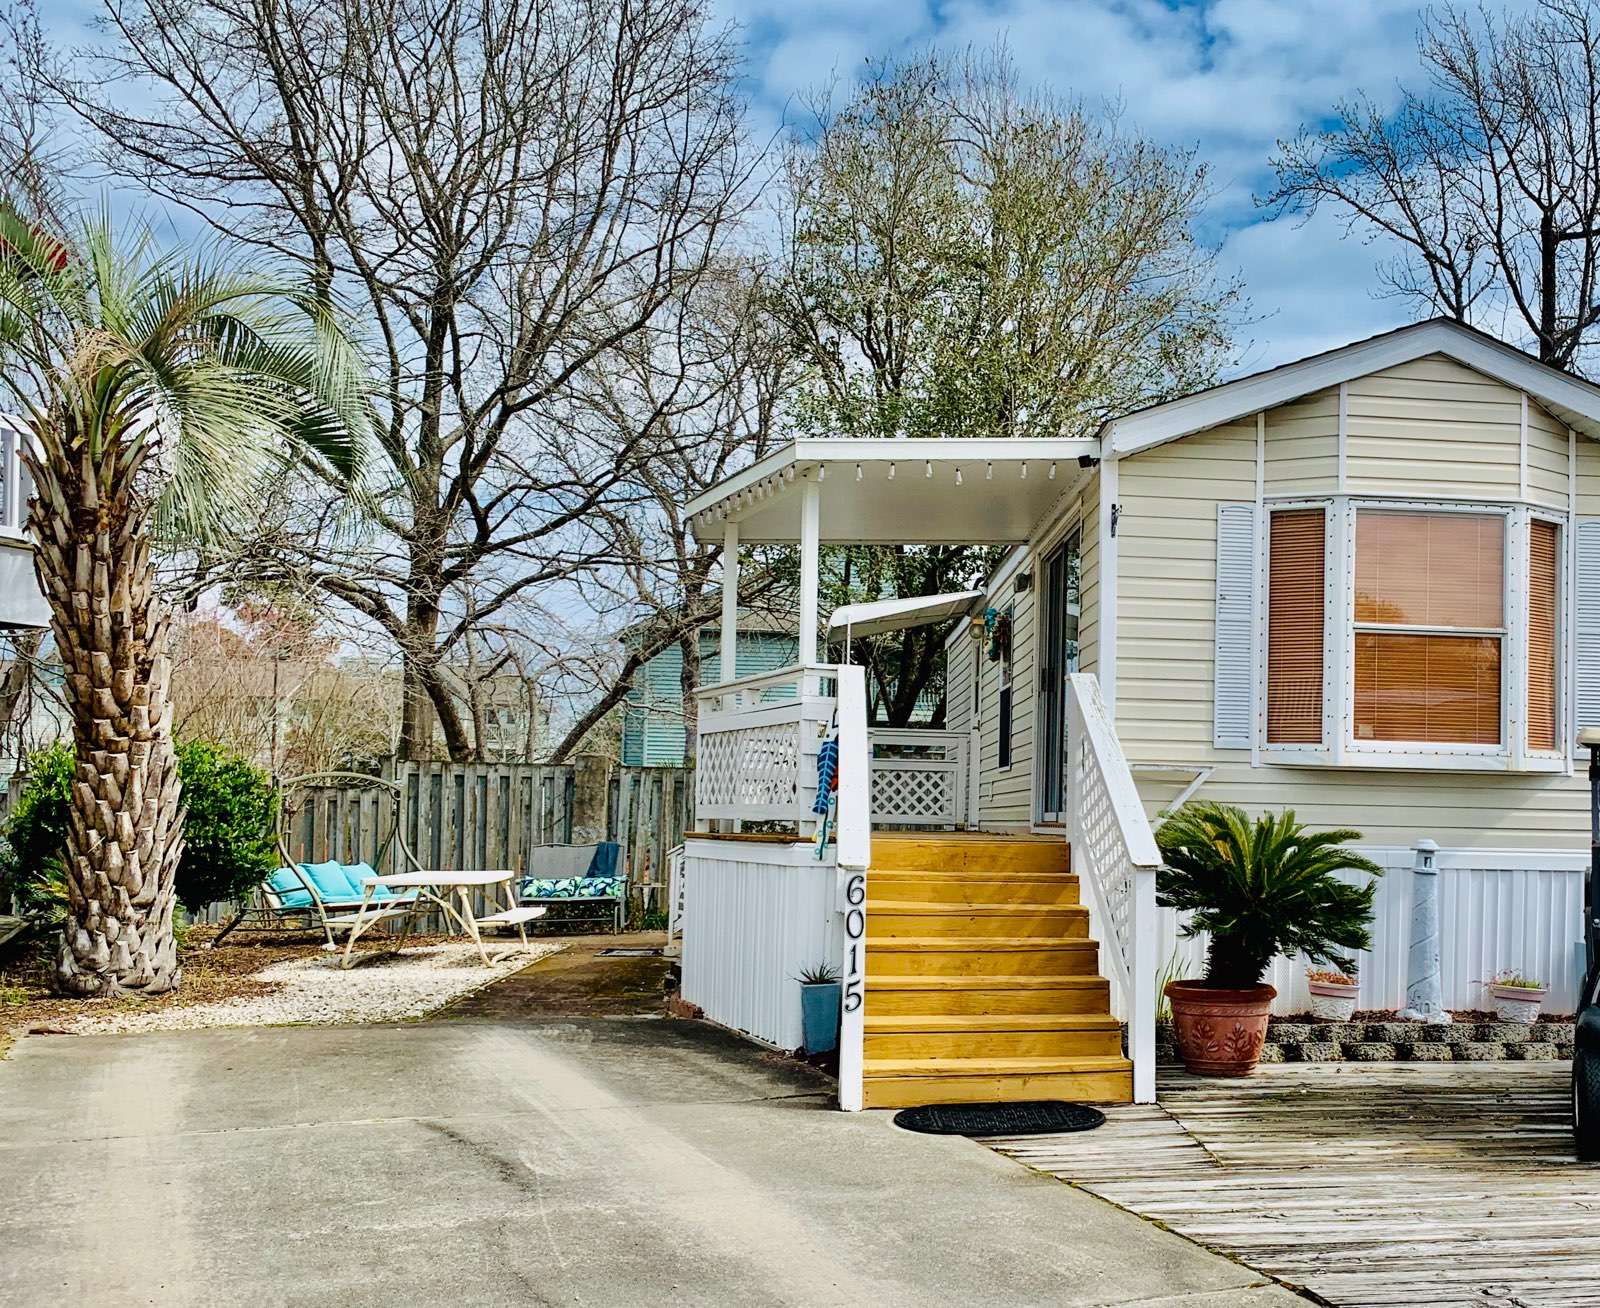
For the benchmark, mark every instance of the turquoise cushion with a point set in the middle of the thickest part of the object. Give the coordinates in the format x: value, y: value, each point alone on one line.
x: 288, y: 888
x: 330, y: 880
x: 353, y: 872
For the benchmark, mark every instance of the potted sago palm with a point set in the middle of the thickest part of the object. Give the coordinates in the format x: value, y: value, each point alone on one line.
x: 1258, y: 889
x: 1517, y: 998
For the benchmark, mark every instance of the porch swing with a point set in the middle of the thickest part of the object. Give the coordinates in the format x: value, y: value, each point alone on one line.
x: 326, y: 896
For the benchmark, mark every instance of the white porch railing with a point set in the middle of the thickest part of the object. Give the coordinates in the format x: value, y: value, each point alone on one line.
x: 1114, y: 852
x: 758, y: 745
x: 919, y: 777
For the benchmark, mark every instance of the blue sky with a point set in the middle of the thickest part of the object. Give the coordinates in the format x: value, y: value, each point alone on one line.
x: 1226, y: 76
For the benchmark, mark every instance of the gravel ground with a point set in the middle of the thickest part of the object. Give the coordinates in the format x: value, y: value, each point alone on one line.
x: 316, y: 990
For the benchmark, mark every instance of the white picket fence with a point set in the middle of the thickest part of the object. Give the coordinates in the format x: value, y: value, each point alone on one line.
x: 1497, y: 909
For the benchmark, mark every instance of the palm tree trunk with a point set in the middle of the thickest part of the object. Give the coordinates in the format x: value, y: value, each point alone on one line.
x: 125, y: 829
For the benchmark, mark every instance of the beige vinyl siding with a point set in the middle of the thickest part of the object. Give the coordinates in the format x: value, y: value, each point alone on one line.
x: 1434, y: 428
x: 1167, y: 589
x: 1167, y: 547
x: 1005, y: 795
x: 958, y: 656
x: 1089, y: 578
x: 1547, y: 459
x: 1588, y: 478
x: 1302, y: 454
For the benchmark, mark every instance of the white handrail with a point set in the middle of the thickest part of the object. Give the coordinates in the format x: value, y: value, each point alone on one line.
x: 1114, y: 850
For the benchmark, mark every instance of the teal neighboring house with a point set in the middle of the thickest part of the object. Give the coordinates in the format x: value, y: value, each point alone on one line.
x: 652, y: 715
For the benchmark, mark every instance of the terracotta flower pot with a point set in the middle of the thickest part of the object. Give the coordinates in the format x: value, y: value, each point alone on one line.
x: 1219, y: 1032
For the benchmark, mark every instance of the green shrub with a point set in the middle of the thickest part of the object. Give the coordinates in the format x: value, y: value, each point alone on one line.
x: 1263, y: 888
x: 228, y: 830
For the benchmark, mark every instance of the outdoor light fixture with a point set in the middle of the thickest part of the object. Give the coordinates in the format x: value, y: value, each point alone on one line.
x: 1024, y: 582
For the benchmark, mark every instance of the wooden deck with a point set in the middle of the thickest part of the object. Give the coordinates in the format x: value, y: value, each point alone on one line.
x: 1364, y: 1184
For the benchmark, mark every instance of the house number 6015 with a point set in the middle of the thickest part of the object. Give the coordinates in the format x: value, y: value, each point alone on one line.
x: 855, y: 927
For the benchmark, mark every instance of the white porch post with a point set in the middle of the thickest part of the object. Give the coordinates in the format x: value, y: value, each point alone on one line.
x: 810, y: 539
x: 729, y: 648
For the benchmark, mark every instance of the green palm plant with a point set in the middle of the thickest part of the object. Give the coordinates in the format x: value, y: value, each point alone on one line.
x: 1263, y: 888
x: 151, y: 391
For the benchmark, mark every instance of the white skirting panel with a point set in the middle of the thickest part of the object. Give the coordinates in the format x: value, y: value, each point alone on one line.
x: 755, y: 915
x: 1497, y: 909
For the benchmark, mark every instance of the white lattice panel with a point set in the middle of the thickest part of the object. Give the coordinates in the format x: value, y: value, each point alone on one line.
x: 912, y: 793
x: 749, y: 771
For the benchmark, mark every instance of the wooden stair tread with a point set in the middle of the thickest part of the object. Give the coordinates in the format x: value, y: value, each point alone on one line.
x: 942, y: 908
x: 920, y: 1067
x: 943, y: 874
x: 886, y: 1023
x: 999, y: 981
x: 979, y: 944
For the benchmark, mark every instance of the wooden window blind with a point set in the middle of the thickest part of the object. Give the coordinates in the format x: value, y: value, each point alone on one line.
x: 1295, y: 608
x: 1440, y: 579
x: 1544, y: 539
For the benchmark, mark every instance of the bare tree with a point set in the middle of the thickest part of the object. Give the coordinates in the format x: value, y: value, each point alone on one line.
x: 714, y: 393
x: 1488, y: 179
x: 510, y: 191
x: 962, y: 258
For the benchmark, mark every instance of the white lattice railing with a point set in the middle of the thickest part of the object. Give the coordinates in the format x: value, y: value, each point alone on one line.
x: 757, y: 757
x: 1114, y: 852
x: 919, y: 778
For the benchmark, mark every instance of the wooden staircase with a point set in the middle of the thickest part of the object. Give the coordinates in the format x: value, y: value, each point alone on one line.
x: 982, y: 982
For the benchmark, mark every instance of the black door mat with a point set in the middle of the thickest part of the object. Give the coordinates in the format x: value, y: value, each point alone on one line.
x: 627, y: 952
x: 1030, y: 1117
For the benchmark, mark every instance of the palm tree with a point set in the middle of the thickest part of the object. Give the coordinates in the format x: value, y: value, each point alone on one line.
x: 153, y: 391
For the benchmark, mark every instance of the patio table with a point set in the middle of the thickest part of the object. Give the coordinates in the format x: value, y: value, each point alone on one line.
x: 435, y: 890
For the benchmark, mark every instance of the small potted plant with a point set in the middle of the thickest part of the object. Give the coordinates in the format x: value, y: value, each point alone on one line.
x: 819, y: 1008
x: 1258, y: 889
x: 1517, y: 998
x: 1333, y: 993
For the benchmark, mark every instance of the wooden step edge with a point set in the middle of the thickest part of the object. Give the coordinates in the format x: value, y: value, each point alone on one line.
x: 882, y: 1068
x: 977, y: 944
x: 943, y: 908
x: 999, y: 981
x: 987, y: 1023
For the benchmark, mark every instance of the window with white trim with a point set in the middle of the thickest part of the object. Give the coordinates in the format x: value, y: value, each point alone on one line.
x: 1411, y: 634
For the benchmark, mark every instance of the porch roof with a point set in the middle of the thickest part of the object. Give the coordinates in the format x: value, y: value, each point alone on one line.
x: 897, y: 492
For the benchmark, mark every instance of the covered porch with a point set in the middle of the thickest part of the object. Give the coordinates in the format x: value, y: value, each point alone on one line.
x: 969, y: 967
x: 858, y: 492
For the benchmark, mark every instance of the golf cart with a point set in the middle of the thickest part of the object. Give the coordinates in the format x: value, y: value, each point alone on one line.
x: 1586, y: 1030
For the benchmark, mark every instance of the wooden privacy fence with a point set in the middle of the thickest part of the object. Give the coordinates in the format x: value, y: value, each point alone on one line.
x: 458, y: 816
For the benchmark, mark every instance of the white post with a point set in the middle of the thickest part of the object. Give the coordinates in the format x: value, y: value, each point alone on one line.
x: 1142, y: 1003
x: 1106, y: 654
x: 810, y: 540
x: 853, y: 851
x: 730, y: 601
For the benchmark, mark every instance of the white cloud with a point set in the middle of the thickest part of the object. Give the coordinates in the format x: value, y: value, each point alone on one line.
x: 1226, y: 77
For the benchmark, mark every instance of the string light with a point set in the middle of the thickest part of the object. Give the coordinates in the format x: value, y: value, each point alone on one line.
x: 988, y: 472
x: 1052, y: 472
x: 858, y: 472
x: 958, y: 476
x: 1024, y: 472
x: 891, y: 472
x: 929, y: 472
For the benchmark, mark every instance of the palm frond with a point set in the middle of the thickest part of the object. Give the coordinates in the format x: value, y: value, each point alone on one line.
x: 1264, y: 887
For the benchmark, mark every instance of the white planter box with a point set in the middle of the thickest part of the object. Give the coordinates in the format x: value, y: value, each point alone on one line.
x: 1332, y: 1002
x: 1517, y: 1003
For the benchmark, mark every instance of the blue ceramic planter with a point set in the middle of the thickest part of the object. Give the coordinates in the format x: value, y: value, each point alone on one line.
x: 819, y: 1016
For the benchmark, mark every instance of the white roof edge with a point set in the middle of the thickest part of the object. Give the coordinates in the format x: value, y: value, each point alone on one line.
x: 809, y: 451
x: 1231, y: 401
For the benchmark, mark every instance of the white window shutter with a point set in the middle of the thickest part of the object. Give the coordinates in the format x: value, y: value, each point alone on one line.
x: 1586, y: 614
x: 1235, y: 665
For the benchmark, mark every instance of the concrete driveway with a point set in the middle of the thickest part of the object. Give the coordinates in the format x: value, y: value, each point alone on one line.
x: 569, y: 1161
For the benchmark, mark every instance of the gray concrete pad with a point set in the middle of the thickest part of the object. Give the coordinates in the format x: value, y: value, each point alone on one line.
x: 577, y: 1161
